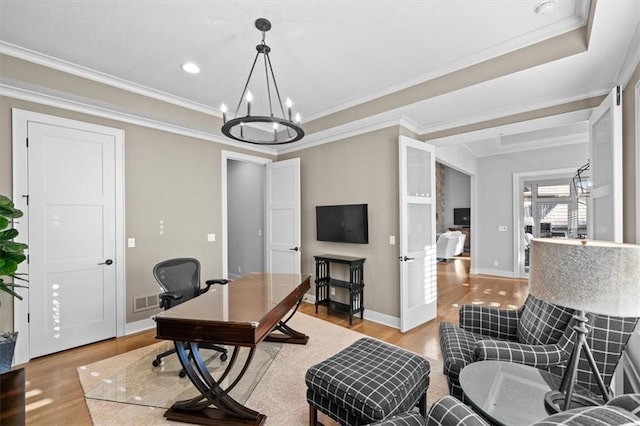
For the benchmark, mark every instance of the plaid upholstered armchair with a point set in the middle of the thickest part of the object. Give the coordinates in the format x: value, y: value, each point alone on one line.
x: 538, y: 334
x: 623, y: 410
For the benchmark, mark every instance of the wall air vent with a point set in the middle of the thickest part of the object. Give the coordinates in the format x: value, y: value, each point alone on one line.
x: 146, y: 302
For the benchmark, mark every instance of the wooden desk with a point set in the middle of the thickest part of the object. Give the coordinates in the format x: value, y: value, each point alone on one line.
x: 257, y: 304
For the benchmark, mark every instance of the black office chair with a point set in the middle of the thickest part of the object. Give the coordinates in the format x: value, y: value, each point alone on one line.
x: 180, y: 280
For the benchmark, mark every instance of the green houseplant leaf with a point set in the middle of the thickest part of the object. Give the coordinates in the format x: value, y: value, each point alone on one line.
x: 11, y: 252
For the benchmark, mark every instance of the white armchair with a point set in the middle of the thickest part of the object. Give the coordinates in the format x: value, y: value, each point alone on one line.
x: 450, y: 244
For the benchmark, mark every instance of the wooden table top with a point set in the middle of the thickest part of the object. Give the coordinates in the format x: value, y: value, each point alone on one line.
x: 256, y: 303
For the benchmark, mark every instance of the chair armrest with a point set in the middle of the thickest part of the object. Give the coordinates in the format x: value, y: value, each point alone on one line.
x: 167, y: 298
x: 449, y: 411
x: 216, y: 281
x: 538, y: 356
x: 209, y: 283
x: 629, y: 402
x: 491, y: 322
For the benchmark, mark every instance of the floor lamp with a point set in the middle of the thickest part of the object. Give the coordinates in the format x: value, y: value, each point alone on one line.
x: 588, y: 276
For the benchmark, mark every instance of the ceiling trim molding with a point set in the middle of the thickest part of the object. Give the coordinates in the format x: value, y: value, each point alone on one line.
x: 548, y: 143
x: 96, y: 111
x: 521, y: 110
x: 80, y: 71
x: 350, y: 130
x: 524, y: 116
x: 532, y: 124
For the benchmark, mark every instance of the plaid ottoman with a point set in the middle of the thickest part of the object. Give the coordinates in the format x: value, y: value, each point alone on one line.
x: 367, y: 382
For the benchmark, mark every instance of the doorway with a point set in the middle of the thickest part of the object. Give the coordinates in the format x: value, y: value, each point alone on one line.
x: 245, y: 212
x: 242, y: 172
x: 547, y: 204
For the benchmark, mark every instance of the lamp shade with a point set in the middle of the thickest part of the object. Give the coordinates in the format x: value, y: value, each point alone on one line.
x: 593, y: 276
x: 528, y: 221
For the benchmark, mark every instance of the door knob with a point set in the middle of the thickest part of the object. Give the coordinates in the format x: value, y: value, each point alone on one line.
x: 294, y: 249
x: 405, y: 258
x: 106, y: 262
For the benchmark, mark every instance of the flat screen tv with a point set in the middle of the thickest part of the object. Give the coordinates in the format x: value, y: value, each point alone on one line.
x: 343, y: 224
x: 462, y: 216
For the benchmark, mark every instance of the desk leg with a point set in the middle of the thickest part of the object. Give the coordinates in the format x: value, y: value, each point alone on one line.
x: 214, y: 406
x: 289, y: 335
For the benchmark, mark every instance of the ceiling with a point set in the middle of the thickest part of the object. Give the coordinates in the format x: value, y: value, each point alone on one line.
x: 360, y: 59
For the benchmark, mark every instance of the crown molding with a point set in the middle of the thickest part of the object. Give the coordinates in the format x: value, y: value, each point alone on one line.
x: 84, y: 72
x: 354, y: 128
x: 29, y: 95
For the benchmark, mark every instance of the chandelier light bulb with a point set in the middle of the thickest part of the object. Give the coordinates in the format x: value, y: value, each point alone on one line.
x: 298, y: 118
x: 289, y: 105
x: 223, y: 108
x: 249, y: 99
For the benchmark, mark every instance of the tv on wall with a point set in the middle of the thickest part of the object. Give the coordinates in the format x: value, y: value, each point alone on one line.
x: 462, y: 216
x: 343, y: 224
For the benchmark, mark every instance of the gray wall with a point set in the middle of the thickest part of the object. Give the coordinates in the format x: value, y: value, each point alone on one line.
x: 457, y: 193
x: 495, y: 199
x: 245, y: 218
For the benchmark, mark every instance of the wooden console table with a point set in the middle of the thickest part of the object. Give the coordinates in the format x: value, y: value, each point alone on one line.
x: 355, y: 285
x: 257, y: 305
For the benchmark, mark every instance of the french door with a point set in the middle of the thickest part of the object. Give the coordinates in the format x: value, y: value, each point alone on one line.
x: 418, y: 263
x: 605, y: 154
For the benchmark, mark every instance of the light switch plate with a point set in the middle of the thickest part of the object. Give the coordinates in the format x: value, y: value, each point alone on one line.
x: 211, y: 237
x: 131, y: 242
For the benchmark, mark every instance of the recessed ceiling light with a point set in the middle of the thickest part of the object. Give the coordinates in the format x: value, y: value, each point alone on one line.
x: 545, y: 7
x: 190, y: 67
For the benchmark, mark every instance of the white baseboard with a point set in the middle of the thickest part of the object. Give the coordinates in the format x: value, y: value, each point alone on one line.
x: 138, y: 326
x: 496, y: 272
x: 369, y: 315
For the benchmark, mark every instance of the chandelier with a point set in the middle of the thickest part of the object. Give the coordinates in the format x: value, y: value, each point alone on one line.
x: 266, y: 129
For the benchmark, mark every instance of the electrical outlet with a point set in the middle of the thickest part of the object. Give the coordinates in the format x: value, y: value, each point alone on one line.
x: 211, y: 237
x: 502, y: 228
x: 333, y: 291
x: 495, y: 263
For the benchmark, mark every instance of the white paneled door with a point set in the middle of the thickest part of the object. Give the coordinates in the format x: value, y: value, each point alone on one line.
x: 418, y: 263
x: 283, y: 216
x: 605, y: 156
x: 72, y: 244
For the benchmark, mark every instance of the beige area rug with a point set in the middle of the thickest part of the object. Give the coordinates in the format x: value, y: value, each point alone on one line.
x: 280, y: 394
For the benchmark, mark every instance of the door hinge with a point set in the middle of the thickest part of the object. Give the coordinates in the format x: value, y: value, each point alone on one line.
x: 28, y: 258
x: 26, y: 197
x: 28, y: 317
x: 27, y: 142
x: 618, y: 95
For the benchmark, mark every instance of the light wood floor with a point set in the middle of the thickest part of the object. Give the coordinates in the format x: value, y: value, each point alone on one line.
x: 54, y: 395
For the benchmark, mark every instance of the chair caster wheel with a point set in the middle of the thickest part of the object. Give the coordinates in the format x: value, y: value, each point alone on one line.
x: 223, y: 357
x: 155, y: 363
x: 182, y: 373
